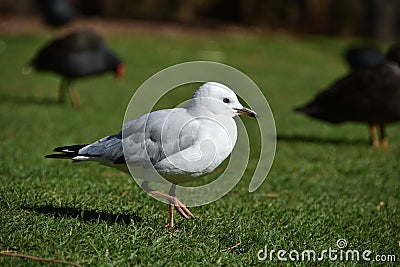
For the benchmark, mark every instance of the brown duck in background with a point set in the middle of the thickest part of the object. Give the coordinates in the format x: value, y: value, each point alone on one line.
x: 367, y: 95
x: 79, y: 54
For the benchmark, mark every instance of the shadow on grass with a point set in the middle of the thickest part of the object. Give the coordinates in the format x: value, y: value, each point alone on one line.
x: 28, y: 100
x: 319, y: 140
x: 86, y: 215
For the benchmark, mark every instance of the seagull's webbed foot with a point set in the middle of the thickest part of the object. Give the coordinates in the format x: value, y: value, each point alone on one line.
x: 174, y: 202
x: 179, y: 206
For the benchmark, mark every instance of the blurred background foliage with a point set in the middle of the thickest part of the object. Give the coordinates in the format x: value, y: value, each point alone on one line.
x: 377, y: 19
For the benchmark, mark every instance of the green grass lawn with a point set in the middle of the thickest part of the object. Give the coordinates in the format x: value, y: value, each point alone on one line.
x: 325, y: 184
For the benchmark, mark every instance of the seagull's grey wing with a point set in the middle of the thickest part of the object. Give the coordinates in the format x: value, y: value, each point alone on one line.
x: 147, y: 140
x: 156, y: 135
x: 107, y: 150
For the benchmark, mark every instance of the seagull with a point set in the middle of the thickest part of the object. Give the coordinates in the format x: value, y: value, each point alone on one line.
x: 180, y: 142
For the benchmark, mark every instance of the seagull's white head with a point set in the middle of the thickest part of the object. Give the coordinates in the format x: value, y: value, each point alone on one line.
x: 220, y: 100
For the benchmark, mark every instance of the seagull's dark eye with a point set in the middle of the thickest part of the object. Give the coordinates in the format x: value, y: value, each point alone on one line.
x: 226, y: 100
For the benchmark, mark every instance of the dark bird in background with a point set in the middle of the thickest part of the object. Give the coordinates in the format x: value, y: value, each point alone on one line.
x: 363, y: 56
x: 393, y: 54
x: 79, y: 54
x: 366, y: 95
x: 56, y: 12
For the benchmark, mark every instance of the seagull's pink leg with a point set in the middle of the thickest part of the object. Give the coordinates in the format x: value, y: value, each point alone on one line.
x: 174, y: 202
x: 171, y: 208
x: 170, y: 223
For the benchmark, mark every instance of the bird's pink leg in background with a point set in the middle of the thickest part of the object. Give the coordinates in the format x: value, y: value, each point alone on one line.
x: 383, y: 139
x: 373, y: 135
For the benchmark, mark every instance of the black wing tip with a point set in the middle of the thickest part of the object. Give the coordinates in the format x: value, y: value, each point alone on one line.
x: 58, y: 156
x: 73, y: 149
x: 67, y: 152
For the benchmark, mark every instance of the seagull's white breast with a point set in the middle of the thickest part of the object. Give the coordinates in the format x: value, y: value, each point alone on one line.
x: 215, y: 140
